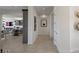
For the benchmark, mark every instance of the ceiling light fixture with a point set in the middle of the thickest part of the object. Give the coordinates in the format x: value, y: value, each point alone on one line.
x: 43, y: 16
x: 43, y: 8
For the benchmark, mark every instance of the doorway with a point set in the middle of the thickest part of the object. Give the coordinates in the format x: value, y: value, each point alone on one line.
x: 13, y: 27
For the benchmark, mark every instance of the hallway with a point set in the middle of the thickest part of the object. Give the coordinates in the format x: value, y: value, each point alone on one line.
x: 42, y: 45
x: 45, y: 45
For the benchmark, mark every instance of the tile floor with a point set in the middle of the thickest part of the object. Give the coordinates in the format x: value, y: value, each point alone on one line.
x: 13, y: 44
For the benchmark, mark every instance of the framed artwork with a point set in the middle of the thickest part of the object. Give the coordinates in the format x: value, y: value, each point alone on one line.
x: 76, y: 13
x: 76, y: 26
x: 35, y: 23
x: 9, y: 23
x: 44, y: 23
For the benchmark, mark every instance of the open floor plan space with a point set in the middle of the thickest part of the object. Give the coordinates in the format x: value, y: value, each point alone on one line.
x: 42, y: 45
x: 39, y: 29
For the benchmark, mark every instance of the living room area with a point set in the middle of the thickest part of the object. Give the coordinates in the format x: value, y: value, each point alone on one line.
x: 11, y: 26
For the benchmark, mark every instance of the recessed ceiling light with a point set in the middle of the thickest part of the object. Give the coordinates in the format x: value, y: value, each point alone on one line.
x: 43, y: 16
x: 43, y: 8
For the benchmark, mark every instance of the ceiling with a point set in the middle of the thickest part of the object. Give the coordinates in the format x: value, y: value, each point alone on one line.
x: 12, y: 10
x: 17, y: 10
x: 46, y: 10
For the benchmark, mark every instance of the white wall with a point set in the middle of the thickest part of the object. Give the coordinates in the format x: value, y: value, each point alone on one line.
x: 44, y: 30
x: 74, y: 35
x: 0, y: 25
x: 32, y: 35
x: 61, y: 28
x: 65, y: 37
x: 51, y: 17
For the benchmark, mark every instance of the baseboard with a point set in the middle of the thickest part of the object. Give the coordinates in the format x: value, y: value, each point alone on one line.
x: 43, y: 35
x: 51, y: 38
x: 75, y: 51
x: 2, y: 38
x: 60, y: 51
x: 56, y: 45
x: 35, y: 39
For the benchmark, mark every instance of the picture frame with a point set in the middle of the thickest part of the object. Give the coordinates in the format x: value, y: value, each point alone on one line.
x: 35, y: 23
x: 43, y: 23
